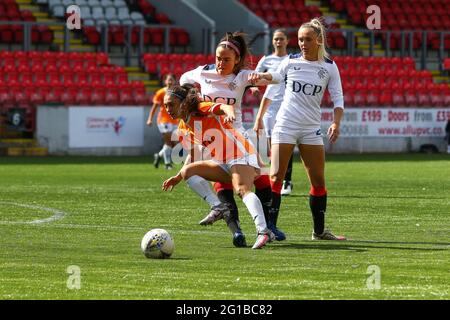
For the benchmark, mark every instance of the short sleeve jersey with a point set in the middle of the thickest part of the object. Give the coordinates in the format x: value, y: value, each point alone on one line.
x: 305, y: 84
x: 209, y: 129
x: 220, y: 89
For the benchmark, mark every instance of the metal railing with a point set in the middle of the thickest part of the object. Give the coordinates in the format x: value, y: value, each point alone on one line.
x: 406, y: 47
x: 375, y: 37
x: 128, y: 47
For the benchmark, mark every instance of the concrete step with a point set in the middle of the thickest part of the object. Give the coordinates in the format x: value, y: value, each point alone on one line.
x: 138, y: 75
x: 29, y: 7
x: 56, y: 28
x: 133, y: 69
x: 82, y: 48
x: 312, y: 3
x: 18, y: 142
x: 441, y: 79
x: 60, y: 41
x: 46, y: 20
x: 376, y: 53
x: 33, y: 151
x: 42, y: 15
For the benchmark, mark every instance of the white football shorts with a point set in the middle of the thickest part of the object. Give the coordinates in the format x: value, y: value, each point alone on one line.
x: 309, y: 136
x: 167, y: 127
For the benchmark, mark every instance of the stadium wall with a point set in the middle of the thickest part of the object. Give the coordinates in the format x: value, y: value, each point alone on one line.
x: 55, y: 124
x: 192, y: 19
x: 53, y: 132
x: 221, y: 11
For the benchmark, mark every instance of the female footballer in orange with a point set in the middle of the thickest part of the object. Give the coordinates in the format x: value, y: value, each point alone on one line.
x: 166, y: 125
x: 206, y: 129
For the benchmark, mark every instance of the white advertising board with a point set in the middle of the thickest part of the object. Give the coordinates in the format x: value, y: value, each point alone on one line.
x: 93, y: 127
x: 384, y: 122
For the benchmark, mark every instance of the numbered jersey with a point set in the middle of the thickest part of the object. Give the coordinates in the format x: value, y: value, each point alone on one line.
x: 305, y: 84
x: 219, y: 89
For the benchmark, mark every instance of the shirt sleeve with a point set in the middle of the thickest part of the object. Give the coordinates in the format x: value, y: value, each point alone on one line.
x: 335, y: 87
x: 158, y: 98
x: 260, y: 67
x: 271, y: 91
x: 279, y: 75
x: 191, y: 77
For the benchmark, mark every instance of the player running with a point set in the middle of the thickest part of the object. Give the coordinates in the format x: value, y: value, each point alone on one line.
x: 166, y: 125
x: 206, y: 130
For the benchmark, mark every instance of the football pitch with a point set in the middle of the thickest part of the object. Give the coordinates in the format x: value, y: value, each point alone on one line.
x: 70, y: 228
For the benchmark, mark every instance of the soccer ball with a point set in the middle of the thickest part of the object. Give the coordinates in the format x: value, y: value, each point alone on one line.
x: 157, y: 244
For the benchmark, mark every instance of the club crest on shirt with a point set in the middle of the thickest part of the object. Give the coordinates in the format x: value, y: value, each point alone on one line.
x: 232, y: 86
x: 322, y: 73
x: 208, y: 81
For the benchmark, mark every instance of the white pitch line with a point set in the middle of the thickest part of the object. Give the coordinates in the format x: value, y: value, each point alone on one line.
x: 57, y: 214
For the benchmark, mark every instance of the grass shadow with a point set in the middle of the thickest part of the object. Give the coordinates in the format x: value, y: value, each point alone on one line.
x: 360, y: 246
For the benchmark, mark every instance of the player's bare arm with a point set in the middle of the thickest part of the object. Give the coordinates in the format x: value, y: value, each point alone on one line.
x: 333, y: 130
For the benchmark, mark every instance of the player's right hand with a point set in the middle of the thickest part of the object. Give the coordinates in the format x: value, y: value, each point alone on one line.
x: 259, y: 125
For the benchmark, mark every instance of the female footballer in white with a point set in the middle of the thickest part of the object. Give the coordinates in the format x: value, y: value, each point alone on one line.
x: 307, y: 75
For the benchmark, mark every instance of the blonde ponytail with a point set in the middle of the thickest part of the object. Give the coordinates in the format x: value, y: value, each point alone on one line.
x: 319, y: 28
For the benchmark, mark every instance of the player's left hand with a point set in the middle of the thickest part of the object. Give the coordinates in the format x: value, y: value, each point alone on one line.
x: 229, y: 118
x: 254, y: 77
x: 333, y: 132
x: 170, y: 183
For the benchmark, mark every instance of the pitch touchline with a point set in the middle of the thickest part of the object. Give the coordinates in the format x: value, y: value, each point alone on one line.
x: 57, y: 214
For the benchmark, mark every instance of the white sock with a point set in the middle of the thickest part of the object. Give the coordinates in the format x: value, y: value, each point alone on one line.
x: 255, y: 208
x: 167, y: 154
x: 161, y: 152
x: 448, y: 149
x: 203, y: 189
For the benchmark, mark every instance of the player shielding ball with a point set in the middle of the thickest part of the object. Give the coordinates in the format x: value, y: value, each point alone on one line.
x: 206, y: 129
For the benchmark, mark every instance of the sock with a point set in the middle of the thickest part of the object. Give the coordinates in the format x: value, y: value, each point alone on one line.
x: 161, y: 152
x: 202, y: 188
x: 276, y: 201
x: 167, y: 154
x: 288, y: 175
x: 264, y: 194
x: 318, y: 205
x: 226, y: 196
x: 255, y: 208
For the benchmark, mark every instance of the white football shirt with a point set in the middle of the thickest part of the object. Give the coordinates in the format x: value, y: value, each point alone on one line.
x: 221, y: 89
x: 270, y: 64
x: 305, y: 84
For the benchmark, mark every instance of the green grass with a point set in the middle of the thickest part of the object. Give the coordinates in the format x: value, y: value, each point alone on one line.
x: 394, y: 208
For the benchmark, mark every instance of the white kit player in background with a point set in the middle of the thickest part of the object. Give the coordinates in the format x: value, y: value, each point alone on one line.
x: 307, y: 76
x: 268, y: 109
x: 225, y: 82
